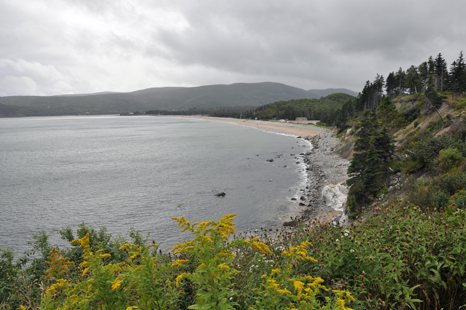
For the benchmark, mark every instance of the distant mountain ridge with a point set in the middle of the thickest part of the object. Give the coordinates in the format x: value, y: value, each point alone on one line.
x: 161, y: 98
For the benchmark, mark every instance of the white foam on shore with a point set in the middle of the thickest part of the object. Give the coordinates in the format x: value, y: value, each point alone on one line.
x: 335, y: 196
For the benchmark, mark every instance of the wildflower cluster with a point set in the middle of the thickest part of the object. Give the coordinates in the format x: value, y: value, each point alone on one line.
x: 203, y: 273
x: 282, y: 290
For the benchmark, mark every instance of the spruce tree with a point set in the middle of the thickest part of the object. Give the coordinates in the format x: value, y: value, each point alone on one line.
x: 366, y: 129
x: 391, y: 84
x: 372, y: 176
x: 370, y: 164
x: 441, y: 72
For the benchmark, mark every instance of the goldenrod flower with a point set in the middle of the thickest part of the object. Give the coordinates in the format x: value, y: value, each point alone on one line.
x: 178, y: 278
x: 262, y: 247
x: 124, y: 246
x: 298, y: 286
x: 223, y: 266
x: 179, y: 262
x: 116, y: 284
x: 85, y: 271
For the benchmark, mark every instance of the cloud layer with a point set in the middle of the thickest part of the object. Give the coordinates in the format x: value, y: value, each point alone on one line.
x: 50, y: 47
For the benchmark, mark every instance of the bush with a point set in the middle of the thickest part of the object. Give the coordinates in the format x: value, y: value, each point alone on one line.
x: 439, y: 200
x: 449, y: 158
x: 413, y: 166
x: 459, y: 199
x: 411, y: 114
x: 8, y: 273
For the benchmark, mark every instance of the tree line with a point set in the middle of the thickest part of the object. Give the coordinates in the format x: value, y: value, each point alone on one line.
x: 322, y: 109
x: 431, y: 77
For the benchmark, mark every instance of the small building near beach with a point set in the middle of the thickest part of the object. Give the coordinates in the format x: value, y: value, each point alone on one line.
x: 301, y: 119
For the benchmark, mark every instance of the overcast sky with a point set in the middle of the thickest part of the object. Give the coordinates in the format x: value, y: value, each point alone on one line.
x: 50, y: 47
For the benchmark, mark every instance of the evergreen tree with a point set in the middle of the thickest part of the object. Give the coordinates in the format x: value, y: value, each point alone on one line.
x: 385, y: 146
x: 431, y: 67
x: 458, y: 75
x: 441, y: 73
x: 391, y: 84
x: 413, y: 80
x: 370, y: 164
x: 372, y: 176
x: 423, y: 76
x: 366, y: 129
x: 400, y: 78
x: 342, y: 118
x: 434, y: 98
x: 387, y: 106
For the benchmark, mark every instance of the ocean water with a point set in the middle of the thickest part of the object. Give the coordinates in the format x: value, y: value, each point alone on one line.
x: 121, y: 172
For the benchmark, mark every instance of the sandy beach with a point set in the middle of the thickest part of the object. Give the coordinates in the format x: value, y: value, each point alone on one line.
x: 323, y: 197
x: 289, y: 128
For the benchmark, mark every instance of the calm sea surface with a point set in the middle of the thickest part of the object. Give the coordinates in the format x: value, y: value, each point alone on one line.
x: 121, y: 172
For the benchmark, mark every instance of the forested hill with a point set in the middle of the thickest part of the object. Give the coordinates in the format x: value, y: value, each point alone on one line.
x: 318, y: 93
x: 165, y: 98
x: 310, y: 108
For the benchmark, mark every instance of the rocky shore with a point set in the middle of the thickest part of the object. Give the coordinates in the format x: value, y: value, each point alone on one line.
x: 325, y: 192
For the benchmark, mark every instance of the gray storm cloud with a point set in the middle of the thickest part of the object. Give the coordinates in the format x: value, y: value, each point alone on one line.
x: 50, y: 47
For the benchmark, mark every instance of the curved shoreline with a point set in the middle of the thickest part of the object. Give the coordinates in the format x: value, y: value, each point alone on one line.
x: 324, y: 194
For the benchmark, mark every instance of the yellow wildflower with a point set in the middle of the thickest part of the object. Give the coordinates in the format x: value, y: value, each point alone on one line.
x: 262, y: 247
x: 285, y: 291
x: 61, y: 283
x: 124, y: 246
x: 298, y: 286
x: 58, y: 264
x: 226, y: 253
x: 178, y: 278
x: 105, y: 255
x: 85, y: 271
x: 116, y: 284
x: 179, y: 262
x: 223, y: 267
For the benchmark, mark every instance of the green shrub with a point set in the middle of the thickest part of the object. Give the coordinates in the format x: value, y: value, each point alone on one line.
x: 449, y: 158
x: 412, y: 166
x: 439, y: 200
x: 8, y: 273
x: 459, y: 199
